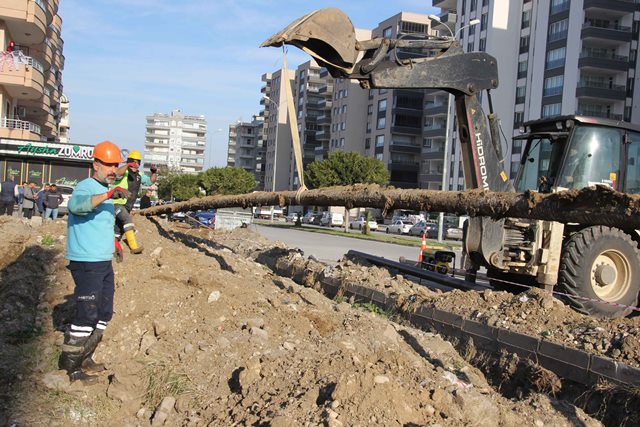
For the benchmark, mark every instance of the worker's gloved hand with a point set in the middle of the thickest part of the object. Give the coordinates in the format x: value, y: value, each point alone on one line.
x: 133, y: 164
x: 153, y: 169
x: 117, y: 193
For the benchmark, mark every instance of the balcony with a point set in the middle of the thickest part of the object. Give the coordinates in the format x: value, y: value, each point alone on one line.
x: 598, y: 113
x: 600, y: 90
x: 26, y: 20
x: 404, y: 147
x: 445, y: 4
x: 404, y: 165
x: 551, y: 65
x: 603, y: 60
x: 610, y: 5
x: 549, y: 91
x: 561, y: 35
x: 431, y: 132
x: 433, y: 154
x: 407, y: 130
x: 19, y: 129
x: 322, y: 135
x: 325, y: 103
x: 22, y: 76
x: 609, y: 32
x: 436, y: 109
x: 324, y: 120
x: 324, y: 89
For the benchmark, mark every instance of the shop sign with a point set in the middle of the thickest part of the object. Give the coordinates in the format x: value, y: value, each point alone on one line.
x: 43, y: 149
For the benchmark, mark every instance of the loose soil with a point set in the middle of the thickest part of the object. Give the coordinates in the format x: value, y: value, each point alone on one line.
x: 205, y: 334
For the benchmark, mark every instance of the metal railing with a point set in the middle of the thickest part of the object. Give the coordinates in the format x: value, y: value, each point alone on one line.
x: 6, y: 123
x: 555, y: 63
x: 622, y: 28
x: 560, y: 7
x: 600, y: 85
x: 603, y: 55
x: 552, y: 91
x: 558, y: 36
x: 598, y: 113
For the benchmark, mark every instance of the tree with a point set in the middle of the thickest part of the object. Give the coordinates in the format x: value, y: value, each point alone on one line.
x: 346, y: 168
x: 179, y: 186
x: 227, y: 180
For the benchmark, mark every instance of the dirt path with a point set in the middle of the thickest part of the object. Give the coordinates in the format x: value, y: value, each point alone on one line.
x: 205, y: 335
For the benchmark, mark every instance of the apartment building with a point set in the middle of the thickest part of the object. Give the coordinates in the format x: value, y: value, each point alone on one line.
x: 395, y: 123
x: 246, y: 148
x: 276, y: 133
x: 175, y: 140
x: 313, y: 92
x: 554, y: 57
x: 64, y: 124
x: 31, y: 64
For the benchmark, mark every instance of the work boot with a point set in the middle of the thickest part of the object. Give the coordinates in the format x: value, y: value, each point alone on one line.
x: 91, y: 365
x: 83, y: 377
x: 134, y: 247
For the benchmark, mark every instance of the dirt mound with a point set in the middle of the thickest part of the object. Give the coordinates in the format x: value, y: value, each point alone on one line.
x: 205, y: 335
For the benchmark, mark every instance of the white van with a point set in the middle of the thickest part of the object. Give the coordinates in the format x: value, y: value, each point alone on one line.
x: 331, y: 219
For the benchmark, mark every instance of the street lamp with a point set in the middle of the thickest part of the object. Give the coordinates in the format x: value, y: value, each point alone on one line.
x: 437, y: 19
x: 470, y: 24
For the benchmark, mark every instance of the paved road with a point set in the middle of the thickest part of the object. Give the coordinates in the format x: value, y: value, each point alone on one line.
x: 329, y: 248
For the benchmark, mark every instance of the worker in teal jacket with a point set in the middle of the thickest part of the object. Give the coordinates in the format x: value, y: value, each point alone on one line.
x: 90, y: 248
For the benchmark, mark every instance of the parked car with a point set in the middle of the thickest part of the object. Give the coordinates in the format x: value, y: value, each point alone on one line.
x: 66, y: 191
x: 359, y: 224
x: 316, y: 220
x: 177, y: 216
x: 399, y: 227
x: 308, y: 217
x: 292, y: 217
x: 453, y: 233
x: 207, y: 218
x: 428, y: 228
x: 331, y: 219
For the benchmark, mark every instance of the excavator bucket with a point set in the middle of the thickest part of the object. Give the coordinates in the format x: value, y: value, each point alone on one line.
x: 326, y: 34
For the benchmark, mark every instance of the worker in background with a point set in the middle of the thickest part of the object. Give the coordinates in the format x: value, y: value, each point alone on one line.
x: 130, y: 178
x: 89, y: 251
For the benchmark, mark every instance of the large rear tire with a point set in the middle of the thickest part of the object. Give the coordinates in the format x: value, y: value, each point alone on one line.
x: 602, y: 264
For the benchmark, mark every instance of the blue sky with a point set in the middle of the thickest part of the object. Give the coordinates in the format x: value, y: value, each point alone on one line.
x: 125, y: 59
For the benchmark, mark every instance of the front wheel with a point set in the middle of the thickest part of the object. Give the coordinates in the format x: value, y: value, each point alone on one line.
x: 602, y: 264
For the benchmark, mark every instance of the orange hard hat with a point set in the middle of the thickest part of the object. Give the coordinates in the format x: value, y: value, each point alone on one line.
x: 107, y: 152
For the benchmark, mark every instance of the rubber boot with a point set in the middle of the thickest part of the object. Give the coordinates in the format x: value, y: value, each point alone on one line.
x: 130, y: 235
x: 88, y: 363
x: 119, y: 254
x: 74, y: 351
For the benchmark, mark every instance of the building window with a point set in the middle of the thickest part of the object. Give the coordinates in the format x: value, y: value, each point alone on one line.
x: 367, y: 143
x: 343, y: 110
x: 553, y: 86
x: 387, y: 32
x: 342, y: 142
x: 518, y: 119
x: 551, y: 110
x: 380, y: 141
x: 484, y: 19
x: 474, y: 5
x: 558, y: 30
x: 524, y: 44
x: 555, y: 58
x: 526, y: 19
x: 521, y: 93
x: 382, y: 105
x: 382, y: 91
x: 343, y: 126
x: 380, y: 156
x: 426, y: 143
x: 368, y: 127
x: 381, y: 123
x: 522, y: 68
x: 483, y: 45
x: 370, y: 109
x: 470, y: 46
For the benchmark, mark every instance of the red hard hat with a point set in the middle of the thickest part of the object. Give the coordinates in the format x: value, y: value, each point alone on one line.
x: 107, y: 152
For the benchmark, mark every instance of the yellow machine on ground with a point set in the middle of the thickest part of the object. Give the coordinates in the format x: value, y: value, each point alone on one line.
x: 438, y: 260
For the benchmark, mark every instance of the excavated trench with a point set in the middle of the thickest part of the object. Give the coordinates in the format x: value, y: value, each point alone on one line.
x: 512, y: 369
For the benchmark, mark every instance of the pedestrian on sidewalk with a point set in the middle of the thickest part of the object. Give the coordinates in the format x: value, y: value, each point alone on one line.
x: 90, y: 248
x: 52, y: 201
x: 8, y: 196
x: 29, y: 202
x: 40, y: 199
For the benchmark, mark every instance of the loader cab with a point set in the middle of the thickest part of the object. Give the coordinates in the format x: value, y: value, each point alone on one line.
x: 573, y: 152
